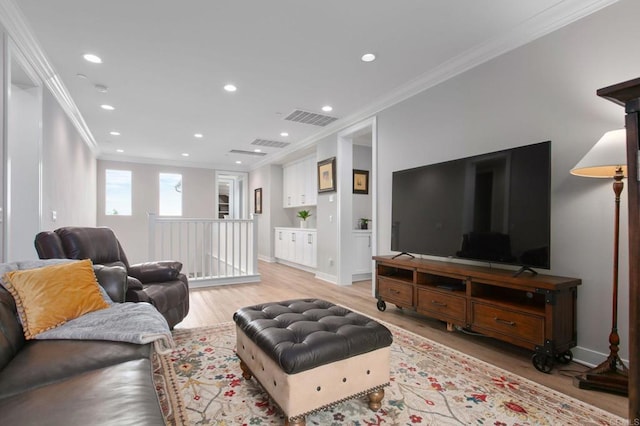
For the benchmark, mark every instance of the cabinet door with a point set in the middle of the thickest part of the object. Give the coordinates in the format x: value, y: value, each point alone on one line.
x: 310, y: 182
x: 286, y: 186
x: 297, y: 245
x: 280, y: 244
x: 362, y: 253
x: 309, y: 248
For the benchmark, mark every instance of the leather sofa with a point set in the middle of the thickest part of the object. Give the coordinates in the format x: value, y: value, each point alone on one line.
x: 159, y: 283
x: 74, y: 382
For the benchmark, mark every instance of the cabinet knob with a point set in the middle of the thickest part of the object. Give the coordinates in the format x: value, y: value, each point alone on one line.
x: 435, y: 302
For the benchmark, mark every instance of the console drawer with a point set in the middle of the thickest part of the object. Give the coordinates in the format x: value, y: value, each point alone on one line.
x: 442, y: 305
x: 517, y: 325
x: 395, y: 292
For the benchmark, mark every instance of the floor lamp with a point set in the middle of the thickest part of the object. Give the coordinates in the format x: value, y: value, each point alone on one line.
x: 608, y: 159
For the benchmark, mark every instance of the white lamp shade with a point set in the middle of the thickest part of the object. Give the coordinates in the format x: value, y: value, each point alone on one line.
x: 606, y: 156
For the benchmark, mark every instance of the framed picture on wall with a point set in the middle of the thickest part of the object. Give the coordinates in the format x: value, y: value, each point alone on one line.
x: 257, y: 200
x: 360, y: 181
x: 327, y: 175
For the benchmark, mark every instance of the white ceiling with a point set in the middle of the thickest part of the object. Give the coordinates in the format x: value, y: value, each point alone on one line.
x: 165, y: 63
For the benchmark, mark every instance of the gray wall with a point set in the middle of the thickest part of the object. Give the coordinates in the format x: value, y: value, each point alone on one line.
x: 542, y: 91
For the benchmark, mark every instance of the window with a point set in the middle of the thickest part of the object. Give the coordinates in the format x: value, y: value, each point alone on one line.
x: 170, y: 194
x: 117, y: 193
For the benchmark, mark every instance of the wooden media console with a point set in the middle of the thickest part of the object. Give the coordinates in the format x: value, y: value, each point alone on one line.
x: 537, y: 312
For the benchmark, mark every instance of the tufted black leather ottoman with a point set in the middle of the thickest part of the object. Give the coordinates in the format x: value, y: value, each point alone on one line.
x: 309, y: 354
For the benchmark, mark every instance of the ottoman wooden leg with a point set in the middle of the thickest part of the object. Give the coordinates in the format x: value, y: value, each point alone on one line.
x: 375, y: 399
x: 299, y: 421
x: 246, y: 373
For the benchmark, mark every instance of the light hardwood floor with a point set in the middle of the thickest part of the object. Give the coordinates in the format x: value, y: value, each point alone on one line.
x: 278, y: 282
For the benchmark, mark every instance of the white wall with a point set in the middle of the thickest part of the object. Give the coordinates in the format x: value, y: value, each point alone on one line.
x: 68, y: 171
x: 542, y: 91
x: 264, y: 178
x: 326, y: 218
x: 198, y: 191
x: 23, y: 171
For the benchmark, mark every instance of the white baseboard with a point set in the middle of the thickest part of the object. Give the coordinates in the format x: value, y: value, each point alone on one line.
x: 326, y: 277
x: 361, y: 277
x: 589, y: 357
x: 296, y: 265
x: 267, y: 259
x: 213, y: 282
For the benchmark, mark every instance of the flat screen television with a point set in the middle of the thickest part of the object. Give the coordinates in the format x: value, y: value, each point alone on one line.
x: 493, y: 208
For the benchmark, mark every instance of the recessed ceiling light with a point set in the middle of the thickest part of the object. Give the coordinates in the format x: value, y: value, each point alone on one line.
x: 368, y: 57
x: 284, y: 134
x: 82, y: 76
x: 198, y: 135
x: 120, y: 150
x: 185, y: 154
x: 107, y: 107
x: 101, y: 88
x: 230, y: 88
x: 90, y: 57
x: 257, y: 150
x: 114, y: 133
x: 327, y: 108
x: 238, y: 162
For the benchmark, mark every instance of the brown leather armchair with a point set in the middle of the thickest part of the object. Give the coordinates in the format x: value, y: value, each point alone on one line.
x: 160, y: 283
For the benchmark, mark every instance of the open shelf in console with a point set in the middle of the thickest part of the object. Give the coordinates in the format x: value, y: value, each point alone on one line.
x: 508, y: 297
x: 396, y: 273
x: 444, y: 282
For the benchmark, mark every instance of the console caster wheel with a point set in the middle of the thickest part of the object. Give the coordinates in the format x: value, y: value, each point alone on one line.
x: 565, y: 357
x: 382, y: 306
x: 542, y: 362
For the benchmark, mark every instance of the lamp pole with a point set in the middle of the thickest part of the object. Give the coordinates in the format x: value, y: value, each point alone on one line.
x: 611, y: 375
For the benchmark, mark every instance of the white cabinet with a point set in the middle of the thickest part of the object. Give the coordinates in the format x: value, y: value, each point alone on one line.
x: 299, y: 187
x: 362, y: 262
x: 296, y: 245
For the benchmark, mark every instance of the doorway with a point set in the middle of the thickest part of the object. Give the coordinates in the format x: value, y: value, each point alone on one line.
x: 231, y: 197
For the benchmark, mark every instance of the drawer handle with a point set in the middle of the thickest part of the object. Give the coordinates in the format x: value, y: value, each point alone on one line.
x: 435, y: 302
x: 505, y: 322
x: 393, y: 291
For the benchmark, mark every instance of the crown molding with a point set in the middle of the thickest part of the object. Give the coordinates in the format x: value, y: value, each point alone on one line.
x: 555, y: 17
x: 16, y: 26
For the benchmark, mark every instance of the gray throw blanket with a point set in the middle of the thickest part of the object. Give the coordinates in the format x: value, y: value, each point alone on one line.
x: 138, y: 323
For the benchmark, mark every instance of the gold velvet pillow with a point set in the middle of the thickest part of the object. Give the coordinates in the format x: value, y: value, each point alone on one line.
x: 50, y: 296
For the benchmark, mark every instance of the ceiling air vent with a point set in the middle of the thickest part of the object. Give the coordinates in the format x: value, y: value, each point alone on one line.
x: 272, y: 144
x: 306, y: 117
x: 239, y: 151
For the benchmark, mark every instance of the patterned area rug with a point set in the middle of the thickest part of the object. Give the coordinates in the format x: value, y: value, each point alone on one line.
x: 200, y: 383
